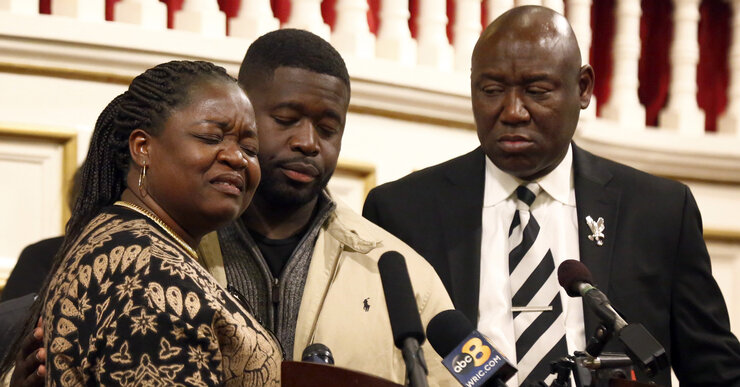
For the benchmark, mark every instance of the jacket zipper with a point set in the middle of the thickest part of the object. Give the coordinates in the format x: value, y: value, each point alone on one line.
x: 275, y: 293
x: 275, y: 311
x: 334, y: 274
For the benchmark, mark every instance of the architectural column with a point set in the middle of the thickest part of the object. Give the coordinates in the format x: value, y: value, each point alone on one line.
x: 351, y: 33
x: 254, y: 20
x: 579, y: 16
x: 624, y: 105
x: 434, y: 48
x: 201, y: 16
x: 729, y: 121
x: 683, y: 113
x: 146, y: 13
x: 494, y: 9
x: 394, y: 40
x: 19, y: 6
x: 306, y: 15
x: 556, y: 5
x: 89, y: 10
x: 519, y: 3
x: 467, y: 30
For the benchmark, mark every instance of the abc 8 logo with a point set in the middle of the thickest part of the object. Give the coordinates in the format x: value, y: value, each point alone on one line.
x: 473, y: 352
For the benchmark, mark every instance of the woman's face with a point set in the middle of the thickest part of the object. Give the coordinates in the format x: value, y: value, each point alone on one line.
x: 203, y: 167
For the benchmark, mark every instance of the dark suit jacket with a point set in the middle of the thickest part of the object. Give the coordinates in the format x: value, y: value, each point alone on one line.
x: 31, y: 269
x: 653, y: 266
x: 13, y: 313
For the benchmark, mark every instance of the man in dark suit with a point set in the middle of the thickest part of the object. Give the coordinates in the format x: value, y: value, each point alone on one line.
x: 527, y: 89
x: 31, y: 268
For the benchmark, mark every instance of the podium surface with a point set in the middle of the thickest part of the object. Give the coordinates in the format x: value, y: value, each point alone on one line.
x: 629, y: 383
x: 302, y: 374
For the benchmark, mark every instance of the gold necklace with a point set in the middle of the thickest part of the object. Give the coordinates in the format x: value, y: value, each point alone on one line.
x: 161, y: 223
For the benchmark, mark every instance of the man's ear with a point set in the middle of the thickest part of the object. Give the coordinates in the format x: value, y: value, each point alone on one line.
x: 586, y: 85
x: 138, y: 144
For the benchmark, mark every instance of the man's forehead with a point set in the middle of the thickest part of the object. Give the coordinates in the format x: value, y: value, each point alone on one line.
x: 517, y: 48
x: 534, y: 45
x: 528, y: 25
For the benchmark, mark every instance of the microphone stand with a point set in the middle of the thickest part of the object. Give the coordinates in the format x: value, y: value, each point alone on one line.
x: 416, y: 367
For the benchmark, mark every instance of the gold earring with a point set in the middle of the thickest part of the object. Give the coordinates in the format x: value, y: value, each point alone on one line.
x: 142, y: 181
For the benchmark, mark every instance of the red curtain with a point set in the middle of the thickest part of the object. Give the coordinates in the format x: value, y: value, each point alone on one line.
x: 450, y: 20
x: 654, y: 70
x: 602, y: 29
x: 715, y: 30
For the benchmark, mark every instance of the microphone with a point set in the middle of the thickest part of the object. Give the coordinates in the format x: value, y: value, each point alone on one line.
x: 317, y: 353
x: 466, y: 353
x: 639, y: 344
x: 577, y: 281
x: 408, y: 333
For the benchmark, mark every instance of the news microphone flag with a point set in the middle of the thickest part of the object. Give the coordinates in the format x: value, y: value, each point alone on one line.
x: 475, y: 360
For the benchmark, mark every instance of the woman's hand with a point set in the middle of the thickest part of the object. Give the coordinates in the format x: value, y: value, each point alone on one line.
x: 30, y: 363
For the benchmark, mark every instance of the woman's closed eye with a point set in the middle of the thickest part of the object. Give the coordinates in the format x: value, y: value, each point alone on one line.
x: 210, y: 138
x: 249, y: 150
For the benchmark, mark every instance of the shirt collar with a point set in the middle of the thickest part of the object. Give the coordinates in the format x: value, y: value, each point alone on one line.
x: 499, y: 185
x: 559, y: 183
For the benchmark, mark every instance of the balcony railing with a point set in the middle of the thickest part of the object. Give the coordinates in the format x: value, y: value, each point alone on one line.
x: 439, y: 35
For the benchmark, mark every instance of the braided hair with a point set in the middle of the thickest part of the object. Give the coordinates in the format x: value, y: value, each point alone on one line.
x: 147, y: 104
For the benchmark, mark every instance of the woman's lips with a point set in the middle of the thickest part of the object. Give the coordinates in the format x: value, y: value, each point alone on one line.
x: 229, y: 184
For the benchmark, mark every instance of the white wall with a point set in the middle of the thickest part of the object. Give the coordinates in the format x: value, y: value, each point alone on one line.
x: 398, y: 147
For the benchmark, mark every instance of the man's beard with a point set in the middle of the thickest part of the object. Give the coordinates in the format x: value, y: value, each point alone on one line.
x: 278, y: 190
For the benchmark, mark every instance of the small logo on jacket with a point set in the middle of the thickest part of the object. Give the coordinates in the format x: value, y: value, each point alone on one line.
x: 366, y: 304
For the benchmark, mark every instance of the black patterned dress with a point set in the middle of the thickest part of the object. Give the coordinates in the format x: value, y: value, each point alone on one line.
x: 129, y: 307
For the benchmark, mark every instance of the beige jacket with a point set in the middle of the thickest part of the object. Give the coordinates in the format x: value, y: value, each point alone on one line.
x: 342, y: 275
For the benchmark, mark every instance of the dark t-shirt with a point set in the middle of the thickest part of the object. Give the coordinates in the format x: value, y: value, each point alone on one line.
x: 277, y: 252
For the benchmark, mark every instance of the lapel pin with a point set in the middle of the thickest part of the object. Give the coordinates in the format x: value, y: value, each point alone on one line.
x: 597, y: 230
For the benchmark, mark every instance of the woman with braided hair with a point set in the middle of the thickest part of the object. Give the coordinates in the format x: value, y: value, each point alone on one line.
x: 171, y: 159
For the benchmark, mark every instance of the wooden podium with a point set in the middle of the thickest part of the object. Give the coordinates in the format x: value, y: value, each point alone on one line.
x: 302, y: 374
x: 629, y: 383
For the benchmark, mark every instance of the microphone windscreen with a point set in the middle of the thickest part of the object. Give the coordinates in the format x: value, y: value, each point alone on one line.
x: 570, y: 273
x: 399, y: 298
x: 317, y: 353
x: 447, y: 330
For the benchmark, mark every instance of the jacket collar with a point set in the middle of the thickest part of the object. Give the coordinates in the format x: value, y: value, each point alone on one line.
x: 595, y: 197
x: 346, y: 226
x: 460, y: 200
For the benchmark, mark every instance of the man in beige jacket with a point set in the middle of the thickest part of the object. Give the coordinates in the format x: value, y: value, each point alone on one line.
x: 304, y: 262
x: 343, y: 305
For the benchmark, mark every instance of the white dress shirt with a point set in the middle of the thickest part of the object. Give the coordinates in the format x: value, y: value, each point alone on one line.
x: 555, y: 211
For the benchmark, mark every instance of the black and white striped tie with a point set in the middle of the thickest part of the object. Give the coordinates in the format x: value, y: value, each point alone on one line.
x: 539, y: 321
